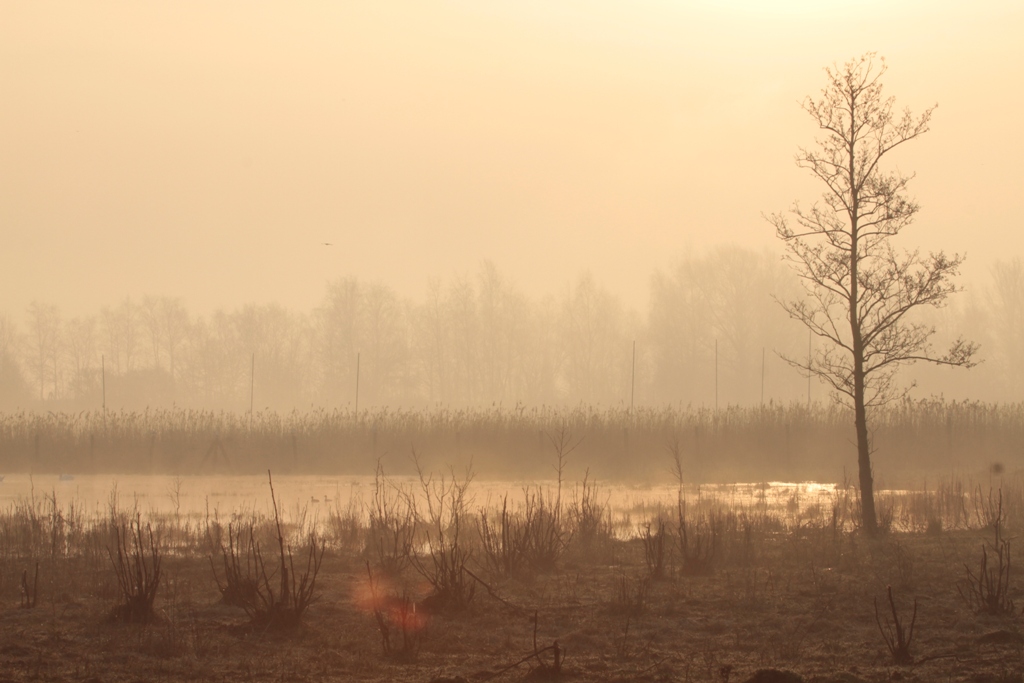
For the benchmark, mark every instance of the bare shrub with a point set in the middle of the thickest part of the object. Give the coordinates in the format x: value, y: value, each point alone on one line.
x: 250, y: 583
x: 503, y: 540
x: 896, y: 638
x: 545, y: 536
x: 447, y: 553
x: 988, y: 591
x: 393, y: 523
x: 988, y: 510
x: 654, y: 549
x: 629, y: 595
x: 240, y: 584
x: 697, y: 540
x: 398, y: 623
x: 345, y: 527
x: 589, y: 519
x: 29, y: 594
x: 136, y: 560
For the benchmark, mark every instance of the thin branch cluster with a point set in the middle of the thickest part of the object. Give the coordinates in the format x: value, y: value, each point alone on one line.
x: 860, y: 290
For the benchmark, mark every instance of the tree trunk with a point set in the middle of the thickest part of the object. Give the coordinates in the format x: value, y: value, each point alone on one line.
x: 867, y: 484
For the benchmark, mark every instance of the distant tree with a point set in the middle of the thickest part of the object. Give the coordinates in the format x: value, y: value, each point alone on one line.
x: 121, y: 334
x: 502, y: 326
x: 44, y: 346
x: 174, y: 325
x: 595, y: 344
x: 270, y: 335
x: 723, y: 297
x: 861, y: 291
x: 434, y: 341
x: 463, y: 321
x: 13, y: 388
x: 1006, y: 304
x: 339, y: 340
x: 680, y: 336
x: 149, y: 315
x: 385, y: 358
x: 80, y: 345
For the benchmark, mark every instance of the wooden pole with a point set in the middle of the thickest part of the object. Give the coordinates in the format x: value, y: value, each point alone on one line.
x: 252, y: 387
x: 762, y: 375
x: 716, y: 375
x: 357, y: 385
x: 809, y: 338
x: 632, y: 381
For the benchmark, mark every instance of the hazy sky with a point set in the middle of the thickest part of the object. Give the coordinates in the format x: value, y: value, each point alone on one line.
x: 207, y: 149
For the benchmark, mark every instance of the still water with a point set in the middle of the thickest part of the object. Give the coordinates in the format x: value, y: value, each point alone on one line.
x: 320, y: 496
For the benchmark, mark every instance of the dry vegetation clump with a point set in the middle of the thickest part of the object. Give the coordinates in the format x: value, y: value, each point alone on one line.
x: 238, y: 583
x: 398, y: 621
x: 247, y: 583
x: 136, y: 557
x: 393, y: 524
x: 989, y: 589
x: 589, y: 517
x: 448, y: 549
x: 896, y: 633
x: 502, y: 540
x: 697, y: 540
x: 655, y: 549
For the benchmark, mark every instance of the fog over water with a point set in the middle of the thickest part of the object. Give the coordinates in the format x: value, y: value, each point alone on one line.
x: 483, y: 204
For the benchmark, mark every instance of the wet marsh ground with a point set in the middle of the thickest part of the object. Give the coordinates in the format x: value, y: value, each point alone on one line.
x: 697, y: 591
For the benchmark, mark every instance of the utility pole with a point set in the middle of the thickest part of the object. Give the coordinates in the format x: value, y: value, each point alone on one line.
x: 357, y: 385
x: 632, y: 381
x: 716, y: 375
x: 809, y: 338
x: 252, y: 387
x: 762, y: 376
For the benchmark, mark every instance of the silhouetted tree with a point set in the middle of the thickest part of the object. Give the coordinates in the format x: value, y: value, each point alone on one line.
x: 1006, y: 303
x: 860, y: 291
x: 80, y: 345
x: 44, y: 344
x: 724, y: 296
x: 13, y: 388
x: 596, y: 335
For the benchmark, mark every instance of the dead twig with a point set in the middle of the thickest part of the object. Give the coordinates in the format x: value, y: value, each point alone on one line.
x: 897, y: 639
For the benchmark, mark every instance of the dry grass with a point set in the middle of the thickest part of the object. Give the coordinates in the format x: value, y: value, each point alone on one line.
x: 790, y: 589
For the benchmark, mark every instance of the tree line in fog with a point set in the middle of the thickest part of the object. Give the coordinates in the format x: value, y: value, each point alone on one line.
x: 711, y: 335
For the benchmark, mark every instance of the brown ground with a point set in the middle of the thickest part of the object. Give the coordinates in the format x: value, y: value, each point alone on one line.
x: 800, y: 600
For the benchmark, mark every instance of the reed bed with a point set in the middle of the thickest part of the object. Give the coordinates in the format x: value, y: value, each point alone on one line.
x: 793, y: 442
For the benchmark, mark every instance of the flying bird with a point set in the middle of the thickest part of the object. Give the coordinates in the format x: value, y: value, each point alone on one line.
x: 328, y: 244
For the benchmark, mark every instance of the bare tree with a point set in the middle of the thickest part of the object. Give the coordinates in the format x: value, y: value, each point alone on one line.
x: 861, y: 291
x: 1006, y: 306
x: 44, y: 346
x: 149, y: 314
x: 13, y: 388
x: 174, y: 326
x: 595, y: 344
x: 80, y: 346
